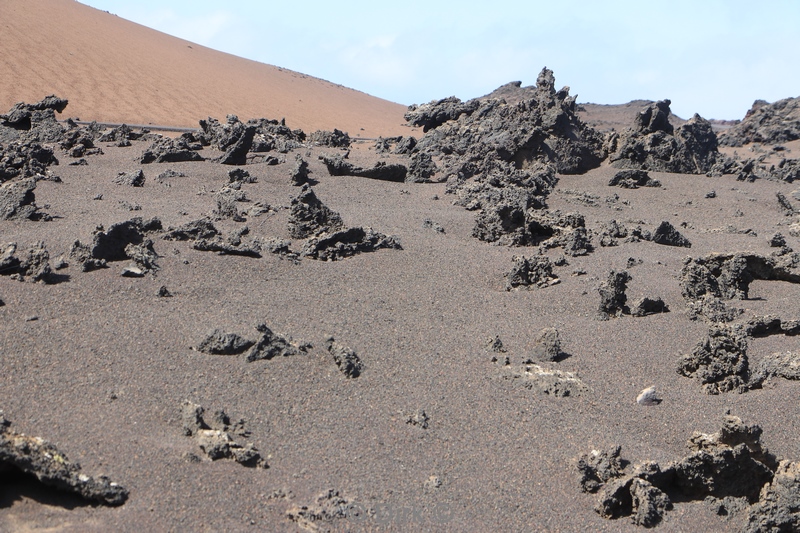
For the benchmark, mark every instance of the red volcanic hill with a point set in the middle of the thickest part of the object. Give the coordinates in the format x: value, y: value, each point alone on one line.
x: 114, y: 70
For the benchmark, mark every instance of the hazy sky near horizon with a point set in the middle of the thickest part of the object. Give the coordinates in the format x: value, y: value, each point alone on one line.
x: 712, y: 57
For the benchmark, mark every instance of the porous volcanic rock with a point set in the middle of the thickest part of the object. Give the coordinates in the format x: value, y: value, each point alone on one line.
x: 347, y: 242
x: 238, y: 139
x: 345, y: 358
x: 330, y: 506
x: 534, y: 272
x: 34, y: 122
x: 31, y: 265
x: 300, y: 171
x: 19, y: 116
x: 131, y: 179
x: 25, y: 160
x: 612, y: 295
x: 728, y: 275
x: 309, y: 216
x: 667, y: 234
x: 766, y: 123
x: 271, y: 345
x: 115, y: 243
x: 213, y: 436
x: 718, y: 362
x: 333, y: 139
x: 653, y: 144
x: 167, y: 150
x: 217, y: 342
x: 547, y: 346
x: 633, y: 179
x: 502, y: 157
x: 649, y: 306
x: 33, y: 455
x: 196, y: 229
x: 544, y: 126
x: 729, y: 464
x: 18, y: 201
x: 338, y: 166
x: 598, y: 467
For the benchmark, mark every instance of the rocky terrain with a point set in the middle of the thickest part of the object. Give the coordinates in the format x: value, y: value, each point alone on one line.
x: 507, y: 318
x: 109, y: 289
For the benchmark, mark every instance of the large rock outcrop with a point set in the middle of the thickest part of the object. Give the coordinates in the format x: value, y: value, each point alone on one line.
x: 501, y: 158
x: 653, y: 144
x: 543, y: 126
x: 766, y: 123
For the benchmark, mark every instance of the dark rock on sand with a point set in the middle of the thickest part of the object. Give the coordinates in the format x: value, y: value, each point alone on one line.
x: 330, y: 506
x: 167, y: 150
x: 20, y: 115
x: 418, y: 418
x: 345, y: 358
x: 338, y: 166
x: 37, y: 122
x: 649, y: 306
x: 25, y: 160
x: 777, y: 365
x: 534, y: 272
x: 123, y: 240
x: 728, y: 275
x: 653, y: 144
x: 633, y: 179
x: 667, y: 234
x: 35, y: 456
x: 32, y: 265
x: 405, y: 145
x: 718, y: 362
x: 501, y: 157
x: 272, y: 345
x: 196, y: 229
x: 612, y: 295
x: 546, y: 346
x: 766, y: 123
x: 730, y: 464
x: 422, y: 168
x: 543, y: 126
x: 300, y: 171
x: 236, y: 153
x: 122, y: 133
x: 18, y: 201
x: 240, y: 175
x: 268, y: 135
x: 778, y: 506
x: 131, y: 179
x: 217, y: 342
x: 310, y: 217
x: 223, y: 247
x: 346, y: 243
x: 225, y: 200
x: 334, y: 139
x: 435, y: 226
x: 598, y: 467
x: 437, y: 112
x: 212, y: 435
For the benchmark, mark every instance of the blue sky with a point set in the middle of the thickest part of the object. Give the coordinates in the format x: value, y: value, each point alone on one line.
x: 713, y: 57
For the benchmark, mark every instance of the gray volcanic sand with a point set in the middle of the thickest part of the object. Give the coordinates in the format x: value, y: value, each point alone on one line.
x: 104, y: 369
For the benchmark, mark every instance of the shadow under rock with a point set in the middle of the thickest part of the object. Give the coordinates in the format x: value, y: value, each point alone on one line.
x: 16, y: 486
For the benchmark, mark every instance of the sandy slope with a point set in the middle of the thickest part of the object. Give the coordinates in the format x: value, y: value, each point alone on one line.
x: 114, y: 70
